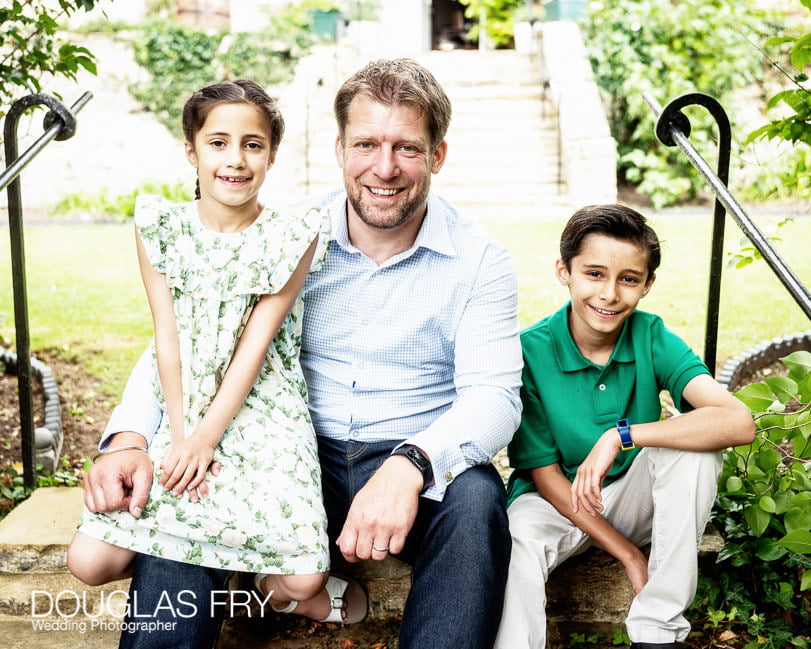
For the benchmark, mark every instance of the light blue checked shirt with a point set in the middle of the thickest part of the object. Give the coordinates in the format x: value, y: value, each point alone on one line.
x: 423, y: 348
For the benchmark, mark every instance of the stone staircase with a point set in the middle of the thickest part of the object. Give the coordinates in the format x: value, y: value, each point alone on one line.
x: 43, y: 606
x: 502, y: 159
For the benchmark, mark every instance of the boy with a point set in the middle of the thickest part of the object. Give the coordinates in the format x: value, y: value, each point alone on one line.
x: 594, y: 464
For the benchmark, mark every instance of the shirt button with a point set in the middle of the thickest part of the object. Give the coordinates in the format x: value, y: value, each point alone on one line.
x: 602, y: 386
x: 448, y: 476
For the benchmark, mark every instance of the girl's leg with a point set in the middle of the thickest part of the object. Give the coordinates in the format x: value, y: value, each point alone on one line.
x: 307, y: 590
x: 96, y: 562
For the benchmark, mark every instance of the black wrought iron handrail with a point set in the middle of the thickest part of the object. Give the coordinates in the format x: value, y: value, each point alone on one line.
x: 673, y: 129
x: 59, y: 124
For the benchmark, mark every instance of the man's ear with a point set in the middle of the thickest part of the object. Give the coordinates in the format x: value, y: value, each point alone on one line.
x: 339, y: 151
x: 191, y: 156
x: 438, y: 158
x: 648, y: 284
x: 561, y: 272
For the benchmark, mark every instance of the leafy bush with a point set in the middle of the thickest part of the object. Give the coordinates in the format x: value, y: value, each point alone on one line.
x: 181, y: 60
x: 668, y: 48
x: 760, y: 586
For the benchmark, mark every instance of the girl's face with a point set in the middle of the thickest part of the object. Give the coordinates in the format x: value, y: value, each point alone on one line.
x: 607, y: 279
x: 232, y: 154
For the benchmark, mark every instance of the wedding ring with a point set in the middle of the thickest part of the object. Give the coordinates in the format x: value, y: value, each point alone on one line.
x: 377, y: 549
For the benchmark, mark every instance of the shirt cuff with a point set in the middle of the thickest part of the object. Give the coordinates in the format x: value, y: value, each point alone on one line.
x: 144, y: 421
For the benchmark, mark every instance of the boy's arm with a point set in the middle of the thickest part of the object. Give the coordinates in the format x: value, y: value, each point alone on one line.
x: 185, y: 465
x: 718, y: 421
x: 553, y: 486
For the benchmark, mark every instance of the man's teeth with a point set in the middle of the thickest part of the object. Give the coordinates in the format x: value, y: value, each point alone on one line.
x: 383, y: 192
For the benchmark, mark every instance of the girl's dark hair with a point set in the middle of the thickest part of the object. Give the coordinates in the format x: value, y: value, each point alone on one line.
x: 616, y: 221
x: 241, y: 91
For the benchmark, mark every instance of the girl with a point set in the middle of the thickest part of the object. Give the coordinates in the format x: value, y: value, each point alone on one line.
x: 222, y: 276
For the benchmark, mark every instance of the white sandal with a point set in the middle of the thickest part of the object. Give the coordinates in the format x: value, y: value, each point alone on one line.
x: 348, y: 601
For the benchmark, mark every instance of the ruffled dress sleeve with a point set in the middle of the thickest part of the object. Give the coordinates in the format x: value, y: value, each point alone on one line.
x: 300, y: 228
x: 154, y: 220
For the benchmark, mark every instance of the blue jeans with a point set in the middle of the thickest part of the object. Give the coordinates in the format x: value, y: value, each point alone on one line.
x: 459, y: 548
x: 176, y: 599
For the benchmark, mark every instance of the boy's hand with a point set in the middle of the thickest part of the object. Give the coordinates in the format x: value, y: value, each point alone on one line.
x: 588, y: 483
x: 184, y: 467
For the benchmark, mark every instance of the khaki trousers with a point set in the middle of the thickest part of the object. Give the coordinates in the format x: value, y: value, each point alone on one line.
x: 665, y: 499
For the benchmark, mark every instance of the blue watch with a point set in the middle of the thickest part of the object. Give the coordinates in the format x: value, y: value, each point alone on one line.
x: 624, y: 429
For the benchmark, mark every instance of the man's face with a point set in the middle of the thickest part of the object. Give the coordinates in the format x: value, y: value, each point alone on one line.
x: 387, y: 162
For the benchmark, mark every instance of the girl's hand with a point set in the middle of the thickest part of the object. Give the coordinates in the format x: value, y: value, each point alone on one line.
x: 588, y: 483
x: 184, y: 467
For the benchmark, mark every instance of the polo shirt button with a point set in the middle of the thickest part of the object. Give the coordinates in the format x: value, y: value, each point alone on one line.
x: 602, y: 386
x: 448, y: 476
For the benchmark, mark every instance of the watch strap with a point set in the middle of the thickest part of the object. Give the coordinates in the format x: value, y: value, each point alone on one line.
x: 418, y: 459
x: 624, y: 430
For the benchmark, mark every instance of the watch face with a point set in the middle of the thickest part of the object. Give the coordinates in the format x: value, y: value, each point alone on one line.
x: 418, y: 459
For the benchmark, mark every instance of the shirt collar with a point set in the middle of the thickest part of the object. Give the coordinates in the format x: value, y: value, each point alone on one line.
x: 434, y: 233
x: 569, y: 357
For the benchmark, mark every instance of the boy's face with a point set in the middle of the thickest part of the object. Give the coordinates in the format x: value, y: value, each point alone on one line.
x: 606, y: 281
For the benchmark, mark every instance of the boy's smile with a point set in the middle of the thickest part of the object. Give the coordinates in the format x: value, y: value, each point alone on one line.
x: 606, y: 281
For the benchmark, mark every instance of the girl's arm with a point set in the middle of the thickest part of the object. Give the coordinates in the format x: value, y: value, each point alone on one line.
x: 186, y: 464
x: 553, y: 486
x: 167, y: 343
x: 718, y: 421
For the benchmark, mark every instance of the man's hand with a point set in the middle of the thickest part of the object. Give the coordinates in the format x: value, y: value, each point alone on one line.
x: 588, y: 483
x: 383, y: 512
x: 119, y: 480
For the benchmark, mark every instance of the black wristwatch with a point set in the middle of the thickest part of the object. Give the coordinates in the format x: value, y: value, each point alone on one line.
x: 418, y: 460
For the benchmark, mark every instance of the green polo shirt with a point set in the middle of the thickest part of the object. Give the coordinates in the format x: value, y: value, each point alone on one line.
x: 569, y: 401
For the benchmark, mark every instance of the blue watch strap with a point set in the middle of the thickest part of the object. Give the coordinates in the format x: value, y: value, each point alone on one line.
x: 624, y: 429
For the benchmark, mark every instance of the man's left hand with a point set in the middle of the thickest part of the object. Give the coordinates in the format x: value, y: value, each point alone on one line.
x: 382, y: 512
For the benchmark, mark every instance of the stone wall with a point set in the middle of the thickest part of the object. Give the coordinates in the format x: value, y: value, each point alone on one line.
x: 588, y: 152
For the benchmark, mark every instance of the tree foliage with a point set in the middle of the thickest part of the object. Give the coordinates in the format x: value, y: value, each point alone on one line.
x: 794, y: 127
x: 30, y: 46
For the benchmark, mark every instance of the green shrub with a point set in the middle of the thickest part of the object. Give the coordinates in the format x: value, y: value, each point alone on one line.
x: 498, y: 19
x: 763, y: 574
x: 120, y: 206
x: 668, y: 47
x: 181, y: 60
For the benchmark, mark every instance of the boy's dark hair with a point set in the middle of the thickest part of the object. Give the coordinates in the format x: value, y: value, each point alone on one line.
x: 616, y: 221
x: 392, y: 82
x: 241, y: 91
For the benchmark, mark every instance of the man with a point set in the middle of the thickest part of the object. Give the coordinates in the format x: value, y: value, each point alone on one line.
x: 412, y: 359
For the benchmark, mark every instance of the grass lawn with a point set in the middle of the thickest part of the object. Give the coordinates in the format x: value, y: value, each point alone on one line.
x: 85, y: 295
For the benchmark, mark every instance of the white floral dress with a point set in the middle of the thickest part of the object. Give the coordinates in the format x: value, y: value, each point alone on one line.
x: 265, y: 511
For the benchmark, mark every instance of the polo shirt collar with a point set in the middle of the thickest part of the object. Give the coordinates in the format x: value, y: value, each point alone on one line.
x: 434, y: 233
x: 569, y: 357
